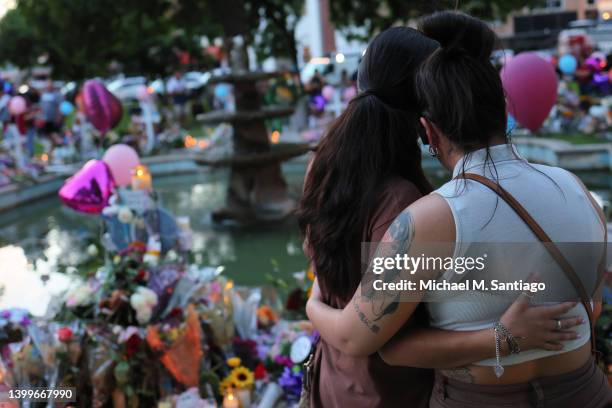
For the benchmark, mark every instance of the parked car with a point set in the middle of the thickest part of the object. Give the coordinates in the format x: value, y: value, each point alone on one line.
x: 194, y: 81
x: 126, y: 88
x: 331, y: 68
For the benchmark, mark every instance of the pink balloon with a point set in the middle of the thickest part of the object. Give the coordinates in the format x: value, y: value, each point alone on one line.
x: 89, y: 189
x: 17, y: 105
x: 121, y: 159
x: 531, y: 87
x: 328, y: 92
x: 102, y: 108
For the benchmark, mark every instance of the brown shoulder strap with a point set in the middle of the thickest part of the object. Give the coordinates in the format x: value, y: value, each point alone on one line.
x: 543, y: 237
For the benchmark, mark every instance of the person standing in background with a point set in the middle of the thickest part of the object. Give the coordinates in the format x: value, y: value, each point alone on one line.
x: 177, y: 89
x: 5, y: 97
x: 50, y: 101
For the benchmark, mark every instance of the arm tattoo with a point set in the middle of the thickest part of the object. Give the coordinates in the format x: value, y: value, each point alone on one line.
x: 364, y: 319
x: 396, y: 241
x: 401, y: 230
x: 462, y: 374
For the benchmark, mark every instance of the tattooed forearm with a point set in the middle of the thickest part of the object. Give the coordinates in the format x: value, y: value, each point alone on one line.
x: 461, y: 373
x: 364, y: 319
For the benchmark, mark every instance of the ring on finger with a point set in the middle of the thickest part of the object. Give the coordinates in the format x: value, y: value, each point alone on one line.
x: 559, y: 324
x: 528, y: 295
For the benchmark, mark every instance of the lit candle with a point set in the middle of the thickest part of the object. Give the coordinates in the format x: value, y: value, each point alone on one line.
x: 141, y: 178
x: 230, y: 400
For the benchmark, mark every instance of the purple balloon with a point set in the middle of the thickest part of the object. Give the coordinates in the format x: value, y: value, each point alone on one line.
x: 102, y: 108
x: 89, y: 189
x: 531, y: 88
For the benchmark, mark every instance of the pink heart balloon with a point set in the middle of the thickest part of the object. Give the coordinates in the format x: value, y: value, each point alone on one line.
x: 102, y: 108
x: 531, y: 88
x: 89, y: 189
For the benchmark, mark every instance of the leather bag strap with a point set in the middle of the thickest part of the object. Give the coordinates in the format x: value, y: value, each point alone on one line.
x: 552, y: 249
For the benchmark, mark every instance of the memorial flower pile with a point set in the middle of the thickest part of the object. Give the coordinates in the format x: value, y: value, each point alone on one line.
x: 144, y: 326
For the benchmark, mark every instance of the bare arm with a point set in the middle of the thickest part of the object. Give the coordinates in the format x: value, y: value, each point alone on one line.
x: 439, y: 349
x: 444, y: 349
x: 372, y: 317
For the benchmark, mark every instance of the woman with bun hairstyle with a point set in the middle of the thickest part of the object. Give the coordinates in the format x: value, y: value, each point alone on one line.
x: 365, y: 171
x: 486, y: 351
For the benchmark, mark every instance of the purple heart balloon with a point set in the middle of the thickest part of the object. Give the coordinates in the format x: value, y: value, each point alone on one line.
x: 102, y: 108
x: 89, y: 189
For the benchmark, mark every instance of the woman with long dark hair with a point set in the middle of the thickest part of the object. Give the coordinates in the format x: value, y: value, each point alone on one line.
x: 365, y: 171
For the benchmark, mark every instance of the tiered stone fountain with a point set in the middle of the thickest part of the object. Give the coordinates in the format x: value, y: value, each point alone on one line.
x: 257, y: 190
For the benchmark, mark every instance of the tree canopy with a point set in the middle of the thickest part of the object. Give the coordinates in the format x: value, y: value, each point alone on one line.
x: 363, y: 18
x: 83, y: 37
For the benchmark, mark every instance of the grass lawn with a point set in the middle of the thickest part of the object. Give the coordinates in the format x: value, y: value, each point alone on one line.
x: 575, y: 138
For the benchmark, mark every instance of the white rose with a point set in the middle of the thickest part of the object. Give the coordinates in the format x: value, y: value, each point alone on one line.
x: 149, y: 296
x: 138, y: 302
x: 125, y: 215
x: 143, y: 301
x: 79, y: 296
x: 143, y: 316
x: 92, y: 250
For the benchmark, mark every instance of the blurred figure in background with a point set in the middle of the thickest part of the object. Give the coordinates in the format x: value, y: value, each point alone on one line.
x: 4, y: 110
x: 50, y: 101
x: 177, y: 89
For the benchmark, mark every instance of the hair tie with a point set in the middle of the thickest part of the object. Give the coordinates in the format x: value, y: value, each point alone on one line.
x: 374, y: 93
x: 370, y: 92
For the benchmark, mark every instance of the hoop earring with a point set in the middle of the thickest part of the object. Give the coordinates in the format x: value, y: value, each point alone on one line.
x: 433, y: 151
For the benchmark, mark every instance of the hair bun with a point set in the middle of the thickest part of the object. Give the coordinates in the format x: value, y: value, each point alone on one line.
x: 453, y: 52
x: 459, y: 33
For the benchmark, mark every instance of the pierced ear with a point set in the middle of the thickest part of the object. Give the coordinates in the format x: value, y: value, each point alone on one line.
x: 429, y: 130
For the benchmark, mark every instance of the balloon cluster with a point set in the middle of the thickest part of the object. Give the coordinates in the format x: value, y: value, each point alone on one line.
x: 89, y: 190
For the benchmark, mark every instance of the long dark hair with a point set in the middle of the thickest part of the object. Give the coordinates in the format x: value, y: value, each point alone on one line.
x: 459, y: 87
x: 374, y: 139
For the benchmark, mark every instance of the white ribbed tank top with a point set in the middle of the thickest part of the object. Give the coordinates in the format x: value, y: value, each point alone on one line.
x: 564, y: 211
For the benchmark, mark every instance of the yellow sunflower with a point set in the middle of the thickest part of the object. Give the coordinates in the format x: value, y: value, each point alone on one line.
x: 234, y: 362
x: 226, y: 383
x: 242, y: 377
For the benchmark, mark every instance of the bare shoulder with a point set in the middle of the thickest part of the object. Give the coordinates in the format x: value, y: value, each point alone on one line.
x: 428, y: 219
x: 433, y: 219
